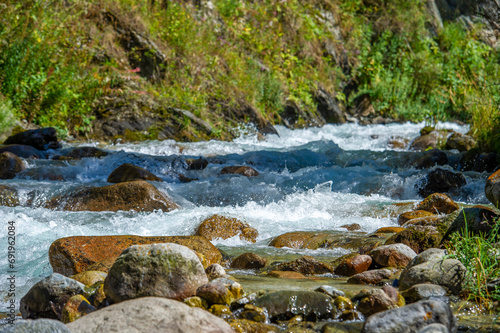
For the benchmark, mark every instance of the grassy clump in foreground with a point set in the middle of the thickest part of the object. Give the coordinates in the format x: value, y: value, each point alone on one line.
x: 58, y: 60
x: 480, y: 255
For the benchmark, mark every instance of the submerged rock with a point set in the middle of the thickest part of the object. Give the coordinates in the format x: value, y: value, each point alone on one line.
x: 41, y: 139
x: 128, y: 173
x: 8, y: 196
x: 86, y: 152
x: 411, y: 318
x: 283, y: 305
x: 137, y: 195
x: 438, y: 203
x: 10, y: 165
x: 150, y: 314
x: 306, y: 265
x: 218, y: 226
x: 492, y: 189
x: 46, y: 298
x: 239, y: 170
x: 248, y: 261
x: 73, y: 255
x: 163, y: 270
x: 286, y: 275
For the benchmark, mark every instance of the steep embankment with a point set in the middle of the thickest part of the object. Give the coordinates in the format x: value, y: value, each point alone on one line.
x: 190, y: 70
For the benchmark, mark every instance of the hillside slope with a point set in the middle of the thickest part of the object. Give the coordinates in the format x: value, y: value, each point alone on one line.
x: 192, y: 70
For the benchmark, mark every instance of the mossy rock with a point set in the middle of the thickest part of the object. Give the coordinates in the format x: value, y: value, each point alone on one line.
x: 418, y: 238
x: 218, y: 226
x: 8, y: 196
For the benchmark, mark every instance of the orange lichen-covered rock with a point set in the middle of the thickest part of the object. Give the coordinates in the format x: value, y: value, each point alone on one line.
x: 405, y: 217
x: 389, y: 230
x: 137, y: 195
x: 218, y: 226
x: 438, y: 203
x: 72, y: 255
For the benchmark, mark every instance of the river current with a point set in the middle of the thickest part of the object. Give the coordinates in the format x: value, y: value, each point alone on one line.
x: 310, y: 179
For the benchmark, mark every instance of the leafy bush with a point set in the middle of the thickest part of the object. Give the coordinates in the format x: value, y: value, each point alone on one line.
x: 7, y: 115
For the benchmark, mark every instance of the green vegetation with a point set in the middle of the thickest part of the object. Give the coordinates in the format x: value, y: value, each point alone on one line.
x: 480, y: 255
x: 57, y: 62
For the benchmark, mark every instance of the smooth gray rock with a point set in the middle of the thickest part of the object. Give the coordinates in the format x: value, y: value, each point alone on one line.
x: 434, y: 328
x: 411, y: 318
x: 163, y: 270
x: 150, y: 314
x: 427, y: 255
x: 46, y: 298
x: 448, y: 273
x: 330, y: 291
x: 285, y: 304
x: 38, y: 326
x: 422, y: 291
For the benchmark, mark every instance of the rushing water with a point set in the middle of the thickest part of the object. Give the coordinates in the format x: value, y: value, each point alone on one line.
x: 310, y: 179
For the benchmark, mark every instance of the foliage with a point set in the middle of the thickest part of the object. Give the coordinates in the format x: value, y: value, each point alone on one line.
x: 249, y: 53
x: 481, y: 258
x: 7, y: 115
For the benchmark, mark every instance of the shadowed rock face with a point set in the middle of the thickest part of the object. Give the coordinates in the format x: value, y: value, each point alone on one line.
x: 10, y: 165
x: 41, y: 139
x: 492, y: 189
x: 137, y: 195
x: 128, y: 172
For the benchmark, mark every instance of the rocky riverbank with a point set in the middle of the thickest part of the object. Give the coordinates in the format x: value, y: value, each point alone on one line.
x: 397, y: 278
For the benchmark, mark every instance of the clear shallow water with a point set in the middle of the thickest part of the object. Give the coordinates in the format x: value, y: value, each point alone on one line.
x: 311, y: 179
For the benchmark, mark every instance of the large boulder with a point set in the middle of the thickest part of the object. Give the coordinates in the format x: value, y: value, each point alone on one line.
x: 218, y: 226
x: 128, y: 173
x: 73, y: 255
x: 306, y: 265
x: 163, y: 270
x: 438, y: 203
x: 411, y: 318
x: 492, y: 189
x: 150, y: 314
x: 393, y: 255
x: 46, y: 298
x: 448, y: 273
x: 8, y: 196
x: 476, y: 160
x: 286, y: 304
x: 137, y: 195
x: 434, y: 139
x: 10, y: 165
x: 441, y: 180
x: 38, y: 326
x: 41, y: 139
